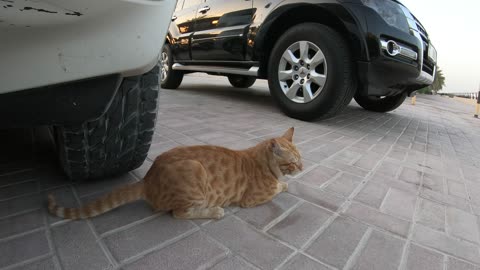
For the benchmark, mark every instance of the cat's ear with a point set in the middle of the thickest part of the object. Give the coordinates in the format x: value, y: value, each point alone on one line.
x: 289, y: 134
x: 276, y: 148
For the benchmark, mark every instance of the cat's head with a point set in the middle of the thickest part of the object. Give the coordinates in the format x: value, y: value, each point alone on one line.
x: 286, y: 154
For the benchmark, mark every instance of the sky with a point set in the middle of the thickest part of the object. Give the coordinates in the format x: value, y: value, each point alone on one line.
x: 454, y: 29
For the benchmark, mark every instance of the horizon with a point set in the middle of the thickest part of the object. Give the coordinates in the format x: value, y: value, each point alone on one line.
x: 449, y: 27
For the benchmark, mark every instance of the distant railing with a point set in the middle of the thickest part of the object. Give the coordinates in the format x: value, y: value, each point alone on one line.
x: 470, y: 95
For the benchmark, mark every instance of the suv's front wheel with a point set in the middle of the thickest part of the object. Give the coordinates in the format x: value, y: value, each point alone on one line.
x: 119, y: 140
x: 311, y: 73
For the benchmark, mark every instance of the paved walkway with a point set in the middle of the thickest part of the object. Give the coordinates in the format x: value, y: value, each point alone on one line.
x: 379, y: 191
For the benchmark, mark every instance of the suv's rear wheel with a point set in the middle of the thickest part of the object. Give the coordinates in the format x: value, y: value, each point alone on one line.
x: 380, y: 104
x: 169, y: 78
x: 240, y: 81
x: 118, y: 141
x: 311, y: 73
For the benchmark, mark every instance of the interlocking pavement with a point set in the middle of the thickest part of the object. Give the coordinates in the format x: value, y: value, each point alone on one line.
x: 399, y: 190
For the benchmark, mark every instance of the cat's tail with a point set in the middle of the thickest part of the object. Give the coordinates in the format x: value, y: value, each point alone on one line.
x: 116, y: 198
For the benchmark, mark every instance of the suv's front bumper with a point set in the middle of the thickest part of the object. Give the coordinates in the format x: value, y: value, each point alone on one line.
x: 410, y: 64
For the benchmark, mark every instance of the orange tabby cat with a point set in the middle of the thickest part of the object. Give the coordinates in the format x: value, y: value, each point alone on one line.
x: 198, y: 181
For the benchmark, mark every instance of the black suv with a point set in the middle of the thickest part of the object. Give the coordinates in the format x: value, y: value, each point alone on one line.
x: 316, y: 54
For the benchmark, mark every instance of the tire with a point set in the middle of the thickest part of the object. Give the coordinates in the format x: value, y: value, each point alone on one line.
x: 240, y: 81
x: 119, y: 140
x: 377, y: 104
x: 169, y: 78
x: 330, y: 94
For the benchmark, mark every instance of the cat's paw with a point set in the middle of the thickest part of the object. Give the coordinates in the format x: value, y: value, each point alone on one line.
x: 217, y: 212
x: 284, y: 186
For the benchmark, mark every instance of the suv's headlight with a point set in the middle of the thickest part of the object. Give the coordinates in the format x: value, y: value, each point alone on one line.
x: 390, y: 12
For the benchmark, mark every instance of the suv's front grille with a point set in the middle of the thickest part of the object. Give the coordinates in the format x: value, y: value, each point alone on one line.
x: 421, y: 29
x: 428, y: 65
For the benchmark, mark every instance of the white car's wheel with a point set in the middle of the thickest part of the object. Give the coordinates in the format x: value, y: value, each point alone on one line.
x: 119, y: 140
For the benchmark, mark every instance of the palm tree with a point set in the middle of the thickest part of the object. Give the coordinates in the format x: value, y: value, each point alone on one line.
x: 439, y: 81
x: 437, y: 85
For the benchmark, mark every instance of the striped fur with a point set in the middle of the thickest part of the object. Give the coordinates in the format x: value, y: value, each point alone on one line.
x: 118, y: 197
x: 199, y: 181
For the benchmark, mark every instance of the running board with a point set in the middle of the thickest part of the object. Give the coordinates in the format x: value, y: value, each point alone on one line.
x: 253, y: 71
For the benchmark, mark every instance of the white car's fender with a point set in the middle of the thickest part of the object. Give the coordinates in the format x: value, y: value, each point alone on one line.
x: 47, y: 42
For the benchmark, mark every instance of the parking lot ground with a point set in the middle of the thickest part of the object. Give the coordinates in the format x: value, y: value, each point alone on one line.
x: 399, y: 190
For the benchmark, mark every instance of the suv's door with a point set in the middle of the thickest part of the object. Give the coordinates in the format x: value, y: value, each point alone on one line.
x: 182, y: 27
x: 220, y: 30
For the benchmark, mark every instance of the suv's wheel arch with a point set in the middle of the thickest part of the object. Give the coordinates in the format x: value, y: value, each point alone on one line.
x: 286, y: 17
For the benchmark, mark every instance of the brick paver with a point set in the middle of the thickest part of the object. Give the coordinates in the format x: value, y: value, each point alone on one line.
x: 379, y: 191
x: 423, y: 259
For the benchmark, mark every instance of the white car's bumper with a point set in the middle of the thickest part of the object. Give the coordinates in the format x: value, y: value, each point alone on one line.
x: 50, y: 42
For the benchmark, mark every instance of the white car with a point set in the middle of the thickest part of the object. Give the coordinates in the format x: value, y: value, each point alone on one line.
x: 88, y: 69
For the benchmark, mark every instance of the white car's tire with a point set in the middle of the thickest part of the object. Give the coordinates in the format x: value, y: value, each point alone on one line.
x: 119, y: 140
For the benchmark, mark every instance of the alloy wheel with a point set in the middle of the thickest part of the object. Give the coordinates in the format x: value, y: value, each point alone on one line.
x: 302, y: 72
x: 164, y: 66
